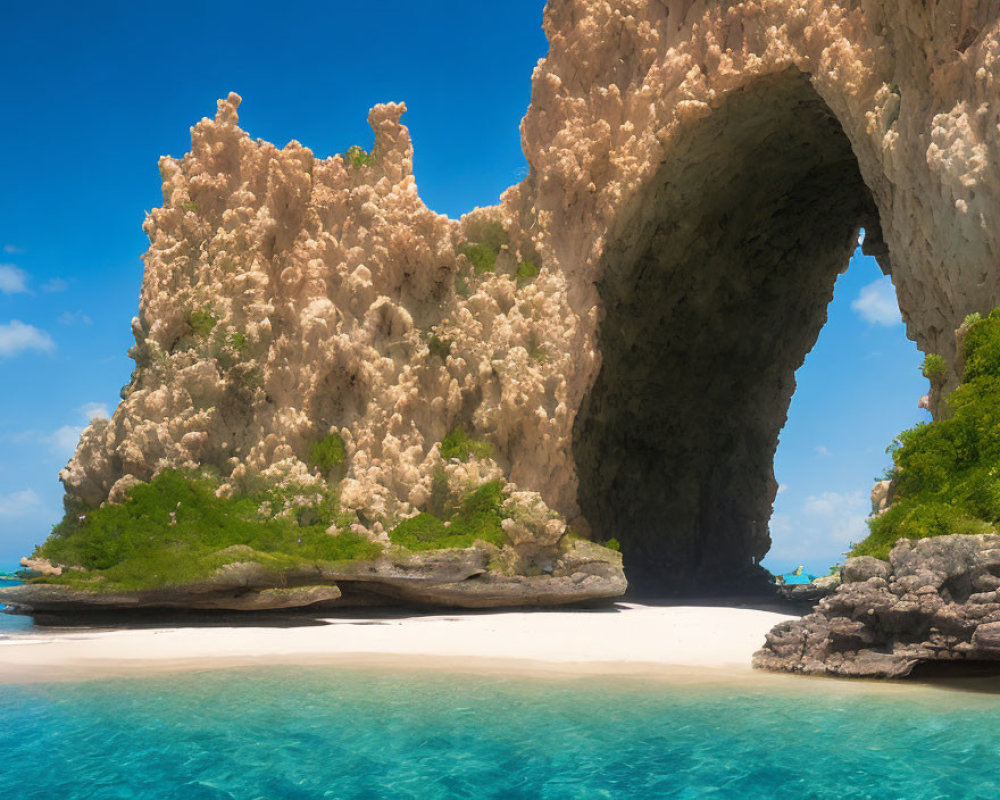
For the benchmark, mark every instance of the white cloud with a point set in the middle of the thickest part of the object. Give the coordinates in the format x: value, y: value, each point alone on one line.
x: 821, y: 450
x: 16, y: 338
x: 782, y: 488
x: 823, y: 527
x: 64, y: 440
x: 19, y: 504
x: 11, y: 249
x: 13, y: 280
x: 91, y: 411
x: 74, y: 318
x: 877, y: 303
x: 55, y: 285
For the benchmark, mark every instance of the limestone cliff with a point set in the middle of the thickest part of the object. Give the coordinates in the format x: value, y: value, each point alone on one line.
x: 623, y: 328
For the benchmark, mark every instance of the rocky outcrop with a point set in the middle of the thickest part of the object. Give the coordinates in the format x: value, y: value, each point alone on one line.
x: 456, y: 577
x: 934, y: 600
x: 624, y: 327
x: 810, y: 592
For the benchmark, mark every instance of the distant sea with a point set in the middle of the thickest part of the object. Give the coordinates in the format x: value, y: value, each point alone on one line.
x: 9, y: 623
x: 321, y: 732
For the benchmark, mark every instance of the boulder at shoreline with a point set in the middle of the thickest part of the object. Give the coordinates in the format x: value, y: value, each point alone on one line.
x: 934, y: 600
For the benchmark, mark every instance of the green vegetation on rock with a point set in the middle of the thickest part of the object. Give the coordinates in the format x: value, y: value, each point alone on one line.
x: 175, y: 530
x: 458, y: 444
x: 527, y: 271
x: 237, y: 341
x: 946, y: 475
x: 202, y: 320
x: 483, y: 259
x: 482, y: 253
x: 934, y: 367
x: 971, y: 319
x: 327, y: 453
x: 478, y: 518
x: 439, y: 347
x: 357, y: 156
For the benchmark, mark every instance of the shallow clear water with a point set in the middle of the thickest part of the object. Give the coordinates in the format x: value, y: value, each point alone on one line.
x: 11, y: 624
x: 334, y: 733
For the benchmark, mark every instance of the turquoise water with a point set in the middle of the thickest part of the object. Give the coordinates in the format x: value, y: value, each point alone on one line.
x: 10, y: 623
x: 333, y: 733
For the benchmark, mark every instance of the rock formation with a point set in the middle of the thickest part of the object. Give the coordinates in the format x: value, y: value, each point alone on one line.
x: 454, y: 577
x: 935, y: 600
x: 623, y: 328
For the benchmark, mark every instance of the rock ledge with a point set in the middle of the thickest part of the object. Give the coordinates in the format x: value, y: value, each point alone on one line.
x: 934, y: 600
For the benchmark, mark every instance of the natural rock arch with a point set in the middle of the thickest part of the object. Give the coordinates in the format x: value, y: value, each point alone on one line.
x: 713, y: 182
x: 711, y: 301
x: 697, y: 172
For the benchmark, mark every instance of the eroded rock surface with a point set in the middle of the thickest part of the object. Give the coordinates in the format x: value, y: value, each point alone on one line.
x: 934, y: 600
x: 456, y: 577
x: 698, y: 175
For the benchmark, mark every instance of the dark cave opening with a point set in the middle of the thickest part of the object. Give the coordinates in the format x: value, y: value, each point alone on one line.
x: 712, y: 297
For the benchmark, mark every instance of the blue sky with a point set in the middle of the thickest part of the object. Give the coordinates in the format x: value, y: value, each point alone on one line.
x: 95, y: 93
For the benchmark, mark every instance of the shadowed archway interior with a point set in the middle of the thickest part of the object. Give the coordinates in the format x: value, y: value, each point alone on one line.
x: 712, y: 298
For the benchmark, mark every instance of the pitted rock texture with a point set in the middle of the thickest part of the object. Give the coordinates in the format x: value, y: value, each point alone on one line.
x: 698, y: 174
x: 935, y: 600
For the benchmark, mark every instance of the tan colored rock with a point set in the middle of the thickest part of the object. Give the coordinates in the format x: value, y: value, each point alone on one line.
x: 698, y: 175
x: 42, y: 566
x: 881, y: 497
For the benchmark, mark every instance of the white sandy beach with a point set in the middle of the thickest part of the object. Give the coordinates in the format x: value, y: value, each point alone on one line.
x: 628, y: 638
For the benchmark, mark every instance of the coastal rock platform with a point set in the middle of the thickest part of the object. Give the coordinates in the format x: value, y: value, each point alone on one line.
x: 935, y: 600
x: 457, y: 578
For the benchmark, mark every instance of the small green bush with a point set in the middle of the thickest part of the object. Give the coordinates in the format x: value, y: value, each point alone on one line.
x: 483, y: 251
x: 202, y: 321
x: 479, y: 517
x: 981, y: 348
x: 458, y: 444
x: 934, y: 367
x: 327, y: 453
x: 971, y: 319
x: 357, y: 156
x: 237, y: 341
x: 482, y: 258
x: 440, y: 503
x: 946, y: 473
x: 613, y: 544
x: 171, y: 530
x: 439, y: 347
x: 527, y: 271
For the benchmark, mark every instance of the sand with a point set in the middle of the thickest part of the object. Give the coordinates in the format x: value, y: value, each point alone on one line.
x: 626, y: 638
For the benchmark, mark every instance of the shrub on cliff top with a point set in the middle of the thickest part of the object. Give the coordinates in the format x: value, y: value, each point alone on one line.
x: 170, y: 531
x: 947, y: 472
x: 458, y: 444
x: 478, y: 517
x: 358, y: 157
